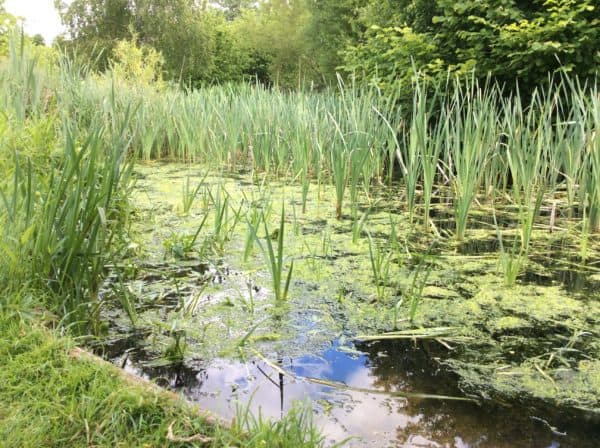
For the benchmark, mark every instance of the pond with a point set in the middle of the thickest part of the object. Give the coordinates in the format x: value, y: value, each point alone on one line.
x: 472, y: 362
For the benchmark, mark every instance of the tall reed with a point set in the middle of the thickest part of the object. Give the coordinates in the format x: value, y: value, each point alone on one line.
x: 471, y: 137
x: 275, y: 259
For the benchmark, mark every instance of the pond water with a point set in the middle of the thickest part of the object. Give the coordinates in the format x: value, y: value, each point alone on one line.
x: 203, y: 322
x: 362, y: 404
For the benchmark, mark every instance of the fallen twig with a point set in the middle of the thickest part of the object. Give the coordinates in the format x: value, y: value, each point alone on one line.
x: 196, y: 438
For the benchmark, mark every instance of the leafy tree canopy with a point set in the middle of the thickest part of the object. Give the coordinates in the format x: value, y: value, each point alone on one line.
x: 511, y: 40
x: 183, y: 31
x: 7, y: 22
x: 381, y: 42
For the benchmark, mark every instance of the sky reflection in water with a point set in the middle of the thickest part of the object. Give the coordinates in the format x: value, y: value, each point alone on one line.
x: 374, y: 420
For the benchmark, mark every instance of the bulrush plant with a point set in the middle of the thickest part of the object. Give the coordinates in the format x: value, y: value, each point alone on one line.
x: 350, y: 136
x: 189, y: 194
x: 64, y: 211
x: 339, y: 161
x: 431, y: 163
x: 182, y: 246
x: 254, y: 217
x: 67, y: 222
x: 511, y: 260
x: 225, y: 218
x: 414, y: 143
x: 23, y: 80
x: 422, y: 154
x: 591, y: 176
x: 571, y: 150
x: 358, y: 224
x: 412, y: 294
x: 380, y: 268
x: 275, y: 259
x: 471, y: 137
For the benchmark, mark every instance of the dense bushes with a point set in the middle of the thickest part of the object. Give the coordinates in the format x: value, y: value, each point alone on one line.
x: 510, y: 40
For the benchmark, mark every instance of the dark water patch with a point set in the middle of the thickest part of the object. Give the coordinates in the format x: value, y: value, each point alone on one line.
x: 118, y: 347
x: 247, y: 183
x: 316, y: 226
x: 442, y: 200
x: 537, y: 278
x: 478, y: 246
x: 384, y: 207
x: 444, y: 218
x: 576, y: 280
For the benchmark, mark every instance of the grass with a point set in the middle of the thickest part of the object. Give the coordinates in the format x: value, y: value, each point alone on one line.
x: 224, y: 223
x: 64, y: 224
x: 460, y: 135
x: 189, y: 194
x: 414, y: 292
x: 470, y: 140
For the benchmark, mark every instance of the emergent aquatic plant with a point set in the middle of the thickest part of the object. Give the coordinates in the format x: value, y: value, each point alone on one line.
x: 380, y: 267
x: 189, y: 194
x: 274, y: 258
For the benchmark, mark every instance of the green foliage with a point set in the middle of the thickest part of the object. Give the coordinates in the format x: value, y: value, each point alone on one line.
x: 38, y: 40
x: 391, y: 58
x: 197, y: 44
x: 274, y: 257
x: 332, y: 25
x: 137, y: 65
x: 508, y: 39
x: 7, y: 23
x: 564, y: 35
x: 273, y: 35
x: 381, y: 42
x: 63, y: 197
x: 234, y: 8
x: 94, y: 27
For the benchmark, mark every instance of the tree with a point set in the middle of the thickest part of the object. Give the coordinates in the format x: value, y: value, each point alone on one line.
x: 333, y: 25
x: 94, y: 27
x: 181, y: 32
x: 234, y: 8
x: 509, y: 40
x: 137, y: 65
x: 273, y: 35
x: 185, y: 32
x: 38, y: 40
x: 7, y: 23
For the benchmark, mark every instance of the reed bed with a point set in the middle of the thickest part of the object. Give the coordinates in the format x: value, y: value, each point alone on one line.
x: 63, y: 192
x: 474, y: 139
